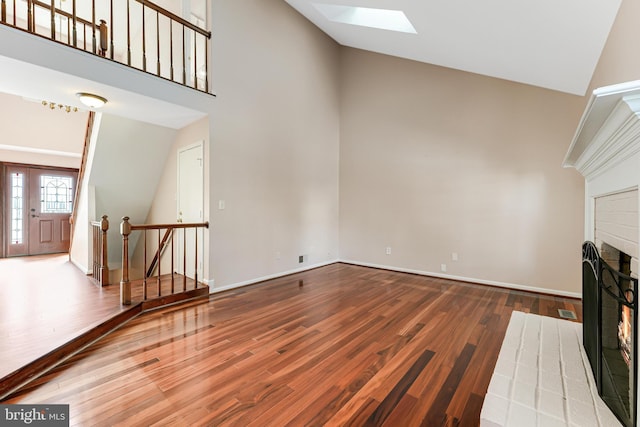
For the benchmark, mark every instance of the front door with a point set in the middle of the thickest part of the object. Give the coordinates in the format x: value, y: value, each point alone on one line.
x: 39, y: 211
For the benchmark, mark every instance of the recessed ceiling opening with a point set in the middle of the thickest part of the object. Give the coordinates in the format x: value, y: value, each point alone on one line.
x: 384, y: 19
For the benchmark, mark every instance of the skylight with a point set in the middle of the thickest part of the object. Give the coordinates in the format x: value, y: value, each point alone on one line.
x: 384, y: 19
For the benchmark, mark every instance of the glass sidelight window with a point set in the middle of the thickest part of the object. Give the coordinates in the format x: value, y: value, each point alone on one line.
x: 17, y: 208
x: 56, y: 194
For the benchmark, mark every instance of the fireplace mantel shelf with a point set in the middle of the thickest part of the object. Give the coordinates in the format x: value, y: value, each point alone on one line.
x: 609, y: 131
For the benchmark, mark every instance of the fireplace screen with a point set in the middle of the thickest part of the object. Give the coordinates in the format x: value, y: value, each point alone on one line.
x: 609, y: 328
x: 624, y: 329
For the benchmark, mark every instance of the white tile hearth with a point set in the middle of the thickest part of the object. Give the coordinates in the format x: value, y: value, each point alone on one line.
x: 543, y: 379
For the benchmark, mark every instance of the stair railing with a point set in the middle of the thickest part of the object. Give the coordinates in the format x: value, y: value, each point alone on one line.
x: 126, y: 229
x: 138, y: 33
x: 100, y: 254
x: 83, y: 166
x: 157, y: 256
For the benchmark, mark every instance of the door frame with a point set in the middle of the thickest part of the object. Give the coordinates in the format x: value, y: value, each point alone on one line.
x: 199, y: 144
x: 5, y: 217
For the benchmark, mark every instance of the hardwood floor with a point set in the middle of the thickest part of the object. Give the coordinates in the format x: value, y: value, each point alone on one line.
x: 49, y: 309
x: 45, y: 301
x: 339, y: 345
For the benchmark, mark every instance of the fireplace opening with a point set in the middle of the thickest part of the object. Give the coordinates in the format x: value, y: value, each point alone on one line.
x: 621, y: 262
x: 610, y: 327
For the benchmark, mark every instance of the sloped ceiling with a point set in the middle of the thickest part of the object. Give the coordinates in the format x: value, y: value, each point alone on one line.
x: 547, y: 43
x: 132, y: 158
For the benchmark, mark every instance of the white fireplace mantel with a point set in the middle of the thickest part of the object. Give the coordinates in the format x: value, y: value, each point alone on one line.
x: 606, y: 151
x: 609, y: 131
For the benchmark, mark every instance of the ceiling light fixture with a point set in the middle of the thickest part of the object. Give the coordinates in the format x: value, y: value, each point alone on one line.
x: 91, y: 100
x: 53, y: 105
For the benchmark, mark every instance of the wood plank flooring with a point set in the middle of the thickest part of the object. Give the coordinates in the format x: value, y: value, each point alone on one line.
x: 338, y: 345
x: 50, y: 309
x: 45, y: 301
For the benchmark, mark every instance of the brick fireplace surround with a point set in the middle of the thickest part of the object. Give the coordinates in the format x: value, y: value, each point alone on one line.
x: 606, y: 151
x: 542, y: 378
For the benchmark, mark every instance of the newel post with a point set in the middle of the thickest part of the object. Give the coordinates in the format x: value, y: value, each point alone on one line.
x: 104, y: 262
x: 104, y: 38
x: 125, y: 286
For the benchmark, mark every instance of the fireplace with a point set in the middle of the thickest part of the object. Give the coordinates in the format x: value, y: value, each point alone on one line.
x: 605, y: 150
x: 610, y: 327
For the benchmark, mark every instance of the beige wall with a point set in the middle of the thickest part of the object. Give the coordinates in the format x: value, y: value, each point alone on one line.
x: 274, y: 142
x: 435, y: 161
x: 620, y: 61
x: 164, y: 206
x: 432, y: 161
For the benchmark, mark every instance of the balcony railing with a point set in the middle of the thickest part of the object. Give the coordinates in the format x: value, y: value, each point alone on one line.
x: 138, y: 33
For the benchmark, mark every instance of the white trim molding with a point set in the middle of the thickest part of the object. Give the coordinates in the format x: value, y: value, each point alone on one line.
x: 34, y: 150
x: 471, y: 280
x: 608, y: 132
x: 213, y: 290
x: 80, y: 266
x: 513, y: 286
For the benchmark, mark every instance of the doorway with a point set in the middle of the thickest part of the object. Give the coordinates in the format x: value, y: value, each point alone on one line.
x: 190, y: 198
x: 38, y: 204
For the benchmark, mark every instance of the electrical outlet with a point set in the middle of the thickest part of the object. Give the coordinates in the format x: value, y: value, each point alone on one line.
x: 221, y: 205
x: 454, y: 256
x: 300, y: 259
x: 278, y: 255
x: 388, y: 250
x: 443, y: 268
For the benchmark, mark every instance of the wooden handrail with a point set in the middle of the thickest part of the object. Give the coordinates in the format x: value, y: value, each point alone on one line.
x: 63, y: 13
x: 127, y: 228
x: 175, y: 17
x: 100, y: 252
x: 163, y: 226
x: 81, y: 172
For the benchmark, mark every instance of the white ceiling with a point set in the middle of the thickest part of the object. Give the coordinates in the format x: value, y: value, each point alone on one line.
x: 553, y: 44
x: 39, y: 83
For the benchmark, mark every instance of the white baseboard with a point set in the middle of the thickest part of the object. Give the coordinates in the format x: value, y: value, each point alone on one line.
x: 213, y: 290
x: 469, y: 279
x: 80, y: 267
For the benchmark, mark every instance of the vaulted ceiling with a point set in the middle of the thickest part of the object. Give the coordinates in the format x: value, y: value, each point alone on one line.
x: 548, y: 43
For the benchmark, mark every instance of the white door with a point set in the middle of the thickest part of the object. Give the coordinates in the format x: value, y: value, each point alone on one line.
x: 190, y: 207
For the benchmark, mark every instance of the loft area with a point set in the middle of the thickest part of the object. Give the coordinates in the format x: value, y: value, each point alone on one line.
x: 138, y: 33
